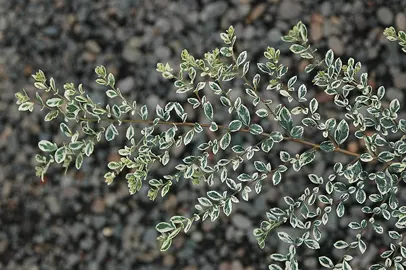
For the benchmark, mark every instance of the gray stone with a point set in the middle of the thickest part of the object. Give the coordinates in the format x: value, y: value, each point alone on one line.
x: 163, y: 53
x: 87, y: 243
x: 289, y: 9
x: 98, y: 221
x: 92, y: 46
x: 385, y: 15
x: 72, y: 259
x: 131, y: 51
x: 241, y: 222
x: 326, y: 8
x: 400, y: 80
x: 213, y: 10
x: 274, y: 35
x: 53, y: 205
x: 163, y: 25
x: 336, y: 44
x: 149, y: 237
x: 126, y: 85
x: 102, y: 251
x: 401, y: 21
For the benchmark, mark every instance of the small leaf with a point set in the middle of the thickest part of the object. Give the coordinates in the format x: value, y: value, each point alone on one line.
x: 60, y: 154
x: 130, y: 132
x: 256, y: 129
x: 327, y: 146
x: 235, y: 125
x: 111, y: 132
x: 164, y: 227
x: 208, y: 110
x: 241, y: 58
x: 47, y: 146
x: 225, y: 141
x: 326, y: 262
x: 342, y: 131
x: 244, y: 115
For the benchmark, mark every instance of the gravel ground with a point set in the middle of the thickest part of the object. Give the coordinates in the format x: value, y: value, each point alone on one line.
x: 77, y: 222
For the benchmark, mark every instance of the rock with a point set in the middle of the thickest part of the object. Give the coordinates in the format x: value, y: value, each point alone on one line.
x: 149, y: 237
x: 326, y: 8
x: 98, y: 222
x: 275, y: 35
x: 98, y: 206
x: 163, y: 53
x: 401, y: 21
x: 213, y: 10
x: 385, y: 16
x: 256, y: 12
x: 126, y: 85
x: 225, y: 266
x: 237, y: 265
x: 289, y: 9
x: 72, y: 259
x: 400, y: 80
x: 163, y: 25
x: 87, y: 243
x: 131, y: 52
x: 316, y: 32
x: 92, y: 46
x: 102, y: 251
x: 241, y: 222
x: 336, y: 44
x: 53, y: 205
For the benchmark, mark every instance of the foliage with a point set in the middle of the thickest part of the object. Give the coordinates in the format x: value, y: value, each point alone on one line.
x: 368, y: 118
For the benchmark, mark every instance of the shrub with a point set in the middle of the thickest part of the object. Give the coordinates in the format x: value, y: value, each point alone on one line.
x: 368, y: 117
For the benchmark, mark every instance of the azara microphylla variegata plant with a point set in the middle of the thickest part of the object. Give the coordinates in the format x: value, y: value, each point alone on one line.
x: 374, y: 122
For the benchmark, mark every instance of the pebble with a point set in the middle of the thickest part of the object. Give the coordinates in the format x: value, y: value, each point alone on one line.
x: 289, y: 9
x: 126, y: 85
x: 53, y: 205
x: 131, y: 52
x: 385, y: 16
x: 241, y: 222
x: 336, y: 44
x: 98, y: 206
x: 401, y: 21
x: 213, y: 10
x: 400, y: 80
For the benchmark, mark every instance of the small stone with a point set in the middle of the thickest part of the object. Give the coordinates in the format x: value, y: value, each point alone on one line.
x: 401, y: 21
x: 337, y: 45
x: 289, y: 9
x: 126, y: 85
x: 225, y: 266
x: 385, y: 15
x: 149, y: 237
x: 163, y: 53
x: 256, y: 12
x: 400, y: 80
x: 107, y: 231
x: 98, y: 206
x: 326, y: 8
x: 241, y: 222
x: 275, y: 35
x: 53, y: 205
x: 237, y: 265
x: 72, y: 259
x: 92, y: 46
x: 102, y: 251
x: 169, y: 260
x: 316, y: 32
x: 213, y: 10
x: 99, y: 221
x: 131, y: 52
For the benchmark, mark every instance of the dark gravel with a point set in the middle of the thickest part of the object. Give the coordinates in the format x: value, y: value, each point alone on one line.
x: 76, y: 221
